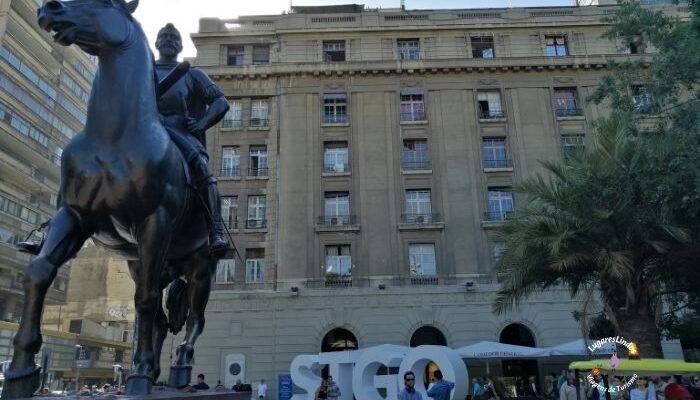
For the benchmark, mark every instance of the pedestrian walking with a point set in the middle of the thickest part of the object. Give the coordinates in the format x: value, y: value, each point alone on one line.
x: 333, y: 389
x: 262, y: 390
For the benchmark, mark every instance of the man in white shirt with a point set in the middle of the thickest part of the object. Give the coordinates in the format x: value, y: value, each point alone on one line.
x: 262, y: 390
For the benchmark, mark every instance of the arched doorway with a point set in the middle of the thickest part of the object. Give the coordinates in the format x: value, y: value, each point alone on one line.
x: 338, y: 339
x: 428, y: 335
x: 516, y: 373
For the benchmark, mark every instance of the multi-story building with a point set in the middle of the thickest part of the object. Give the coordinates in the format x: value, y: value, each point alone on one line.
x: 365, y: 161
x: 44, y: 89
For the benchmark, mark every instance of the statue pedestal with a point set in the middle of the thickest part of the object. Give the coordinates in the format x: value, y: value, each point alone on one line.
x: 180, y: 376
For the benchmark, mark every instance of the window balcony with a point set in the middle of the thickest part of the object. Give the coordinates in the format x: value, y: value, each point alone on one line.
x: 499, y: 164
x: 337, y: 220
x: 416, y: 165
x: 338, y: 282
x: 259, y: 123
x: 231, y: 123
x: 256, y: 224
x: 420, y: 218
x: 230, y: 172
x: 492, y: 115
x: 415, y: 116
x: 335, y: 119
x: 497, y: 216
x: 258, y: 172
x: 568, y: 112
x: 231, y: 224
x: 338, y: 168
x: 424, y: 280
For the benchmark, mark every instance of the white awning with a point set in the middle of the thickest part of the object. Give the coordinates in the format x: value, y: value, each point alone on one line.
x: 488, y: 350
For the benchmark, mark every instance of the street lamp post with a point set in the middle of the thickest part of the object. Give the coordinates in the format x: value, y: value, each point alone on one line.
x: 77, y: 367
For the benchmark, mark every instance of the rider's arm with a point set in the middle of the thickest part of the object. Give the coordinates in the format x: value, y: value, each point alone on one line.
x: 212, y: 96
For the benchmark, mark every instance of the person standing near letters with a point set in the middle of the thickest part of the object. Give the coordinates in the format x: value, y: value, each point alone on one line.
x: 442, y: 388
x: 409, y: 391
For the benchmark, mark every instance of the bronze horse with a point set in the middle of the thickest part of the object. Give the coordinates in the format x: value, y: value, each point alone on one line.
x: 125, y: 185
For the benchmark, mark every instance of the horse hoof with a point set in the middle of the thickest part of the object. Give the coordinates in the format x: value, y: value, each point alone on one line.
x: 21, y: 383
x: 138, y: 385
x: 180, y: 376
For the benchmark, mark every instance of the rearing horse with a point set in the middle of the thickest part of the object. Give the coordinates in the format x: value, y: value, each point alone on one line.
x: 123, y: 183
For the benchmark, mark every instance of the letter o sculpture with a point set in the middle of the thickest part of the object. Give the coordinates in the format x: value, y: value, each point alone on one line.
x: 451, y: 365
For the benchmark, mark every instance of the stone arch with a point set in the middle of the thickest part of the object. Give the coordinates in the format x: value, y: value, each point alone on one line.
x: 428, y: 335
x: 525, y: 323
x: 339, y: 338
x: 433, y: 324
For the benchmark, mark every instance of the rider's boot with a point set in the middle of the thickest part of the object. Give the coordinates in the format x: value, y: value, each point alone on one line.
x: 30, y: 246
x: 217, y: 239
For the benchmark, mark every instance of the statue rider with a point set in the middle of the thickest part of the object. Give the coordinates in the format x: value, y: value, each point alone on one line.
x: 188, y: 108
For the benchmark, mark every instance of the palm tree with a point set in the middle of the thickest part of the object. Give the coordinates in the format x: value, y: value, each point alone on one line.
x: 595, y: 226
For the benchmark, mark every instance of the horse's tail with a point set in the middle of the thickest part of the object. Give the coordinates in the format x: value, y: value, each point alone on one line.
x: 178, y: 305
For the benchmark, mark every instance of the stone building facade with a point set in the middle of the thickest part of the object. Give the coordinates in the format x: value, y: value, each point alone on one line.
x: 44, y: 89
x: 366, y: 159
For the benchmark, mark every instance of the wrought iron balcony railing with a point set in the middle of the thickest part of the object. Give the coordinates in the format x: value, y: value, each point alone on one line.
x: 569, y: 112
x: 232, y: 123
x: 338, y: 282
x: 256, y: 224
x: 336, y: 220
x: 257, y: 171
x: 229, y: 172
x: 497, y: 215
x: 336, y: 168
x: 491, y: 114
x: 424, y: 280
x: 420, y: 218
x: 498, y: 163
x: 416, y: 165
x: 335, y: 118
x: 413, y: 116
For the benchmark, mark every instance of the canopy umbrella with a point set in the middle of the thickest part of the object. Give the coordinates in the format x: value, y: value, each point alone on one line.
x: 493, y: 350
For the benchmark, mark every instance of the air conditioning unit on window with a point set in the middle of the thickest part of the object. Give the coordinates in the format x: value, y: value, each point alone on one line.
x: 420, y: 219
x: 335, y: 221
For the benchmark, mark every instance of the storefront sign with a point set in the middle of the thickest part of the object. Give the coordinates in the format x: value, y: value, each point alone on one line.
x: 285, y: 387
x: 355, y: 372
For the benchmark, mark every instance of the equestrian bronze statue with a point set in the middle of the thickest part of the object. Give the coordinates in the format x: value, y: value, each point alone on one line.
x: 126, y: 184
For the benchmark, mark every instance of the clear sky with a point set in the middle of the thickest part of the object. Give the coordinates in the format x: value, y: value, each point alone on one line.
x: 185, y: 14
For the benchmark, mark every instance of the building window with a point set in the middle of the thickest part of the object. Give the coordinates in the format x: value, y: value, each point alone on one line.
x: 419, y: 207
x: 571, y: 144
x: 224, y: 271
x: 259, y: 113
x: 334, y: 51
x: 335, y: 108
x: 634, y: 47
x: 565, y: 103
x: 230, y: 162
x: 412, y: 107
x: 415, y: 154
x: 229, y: 211
x: 57, y: 155
x: 500, y: 204
x: 494, y: 152
x: 409, y: 49
x: 335, y: 157
x: 10, y: 207
x: 75, y: 326
x: 235, y: 56
x: 261, y: 54
x: 257, y: 208
x: 337, y: 208
x: 7, y: 237
x: 498, y: 250
x: 490, y: 104
x: 255, y: 266
x: 556, y: 46
x: 642, y: 101
x: 234, y: 116
x: 338, y: 261
x: 60, y: 284
x: 422, y: 259
x: 482, y: 47
x: 258, y: 161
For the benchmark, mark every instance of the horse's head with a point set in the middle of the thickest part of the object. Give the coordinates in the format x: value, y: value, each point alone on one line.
x: 94, y: 25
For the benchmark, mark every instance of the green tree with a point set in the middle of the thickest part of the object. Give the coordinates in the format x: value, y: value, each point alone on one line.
x: 622, y: 218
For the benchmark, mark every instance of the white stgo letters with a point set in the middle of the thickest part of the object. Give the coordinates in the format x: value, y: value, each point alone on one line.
x: 355, y: 372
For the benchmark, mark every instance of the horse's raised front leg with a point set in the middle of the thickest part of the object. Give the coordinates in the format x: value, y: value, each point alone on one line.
x: 63, y: 240
x: 153, y: 237
x: 198, y: 288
